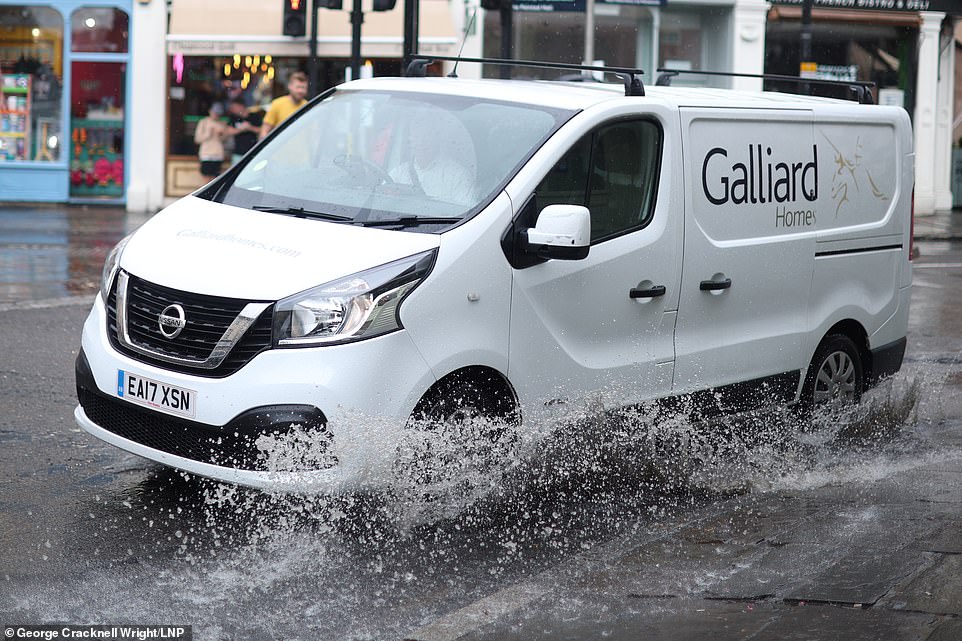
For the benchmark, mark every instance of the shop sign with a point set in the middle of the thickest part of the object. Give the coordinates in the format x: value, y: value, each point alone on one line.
x: 574, y: 6
x: 201, y: 47
x: 645, y: 3
x: 578, y: 6
x: 948, y: 6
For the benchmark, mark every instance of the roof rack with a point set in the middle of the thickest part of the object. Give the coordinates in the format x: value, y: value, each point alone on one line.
x: 861, y: 89
x: 631, y: 77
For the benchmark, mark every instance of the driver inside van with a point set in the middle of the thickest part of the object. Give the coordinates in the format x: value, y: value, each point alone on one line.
x: 434, y: 162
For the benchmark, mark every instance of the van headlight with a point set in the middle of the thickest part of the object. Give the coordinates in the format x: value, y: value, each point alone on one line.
x: 111, y: 264
x: 359, y: 306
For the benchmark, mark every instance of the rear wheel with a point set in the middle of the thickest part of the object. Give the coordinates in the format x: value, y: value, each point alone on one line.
x: 836, y: 376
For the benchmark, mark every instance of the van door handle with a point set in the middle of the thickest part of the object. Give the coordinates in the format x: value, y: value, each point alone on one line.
x: 715, y: 285
x: 651, y: 292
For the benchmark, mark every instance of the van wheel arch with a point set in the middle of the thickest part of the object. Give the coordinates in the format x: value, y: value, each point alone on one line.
x: 857, y: 334
x: 477, y: 390
x: 843, y: 360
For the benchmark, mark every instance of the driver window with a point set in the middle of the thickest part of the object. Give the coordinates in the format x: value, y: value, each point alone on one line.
x: 613, y: 172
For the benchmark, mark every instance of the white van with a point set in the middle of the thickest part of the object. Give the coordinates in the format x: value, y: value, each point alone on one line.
x: 440, y: 246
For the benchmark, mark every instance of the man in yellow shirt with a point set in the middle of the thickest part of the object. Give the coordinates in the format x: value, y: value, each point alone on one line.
x: 282, y: 108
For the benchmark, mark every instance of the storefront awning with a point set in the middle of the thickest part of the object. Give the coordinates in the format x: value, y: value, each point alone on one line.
x: 252, y: 27
x: 950, y: 7
x: 849, y: 16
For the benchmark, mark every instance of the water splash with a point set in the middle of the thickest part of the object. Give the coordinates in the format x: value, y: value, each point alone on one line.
x: 458, y: 516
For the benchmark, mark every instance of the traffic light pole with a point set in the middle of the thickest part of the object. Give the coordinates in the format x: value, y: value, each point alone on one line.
x: 312, y: 52
x: 507, y: 35
x: 357, y: 19
x: 410, y: 30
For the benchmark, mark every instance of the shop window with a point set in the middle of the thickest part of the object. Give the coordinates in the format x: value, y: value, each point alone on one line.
x: 97, y: 129
x: 99, y: 29
x: 31, y: 76
x: 197, y: 82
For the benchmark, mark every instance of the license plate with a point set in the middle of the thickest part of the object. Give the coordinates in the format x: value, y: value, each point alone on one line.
x: 156, y: 394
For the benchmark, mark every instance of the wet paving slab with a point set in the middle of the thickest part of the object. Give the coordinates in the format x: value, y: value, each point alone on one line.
x: 57, y: 251
x: 829, y: 564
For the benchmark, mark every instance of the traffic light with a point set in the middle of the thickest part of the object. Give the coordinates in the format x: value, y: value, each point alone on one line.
x: 295, y: 17
x: 384, y: 5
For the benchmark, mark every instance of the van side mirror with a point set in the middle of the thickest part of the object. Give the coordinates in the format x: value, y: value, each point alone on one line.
x: 562, y: 232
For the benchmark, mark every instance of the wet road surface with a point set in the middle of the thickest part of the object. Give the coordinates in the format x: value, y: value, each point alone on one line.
x: 784, y: 534
x: 51, y: 251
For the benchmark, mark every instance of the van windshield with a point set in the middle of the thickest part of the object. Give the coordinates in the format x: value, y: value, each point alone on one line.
x: 424, y: 161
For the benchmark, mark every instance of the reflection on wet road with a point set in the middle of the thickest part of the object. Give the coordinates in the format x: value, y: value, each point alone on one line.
x: 57, y: 251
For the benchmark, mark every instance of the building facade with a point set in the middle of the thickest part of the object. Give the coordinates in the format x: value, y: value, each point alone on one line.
x: 81, y: 110
x: 222, y: 50
x: 905, y: 46
x: 87, y: 85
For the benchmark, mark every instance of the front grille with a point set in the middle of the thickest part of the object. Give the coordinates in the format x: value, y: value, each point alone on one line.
x: 208, y: 319
x: 225, y: 446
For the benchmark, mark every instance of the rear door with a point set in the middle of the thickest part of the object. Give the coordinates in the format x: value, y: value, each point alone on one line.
x: 750, y: 222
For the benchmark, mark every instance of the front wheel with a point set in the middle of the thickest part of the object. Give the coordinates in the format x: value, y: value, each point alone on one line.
x: 460, y: 439
x: 836, y: 377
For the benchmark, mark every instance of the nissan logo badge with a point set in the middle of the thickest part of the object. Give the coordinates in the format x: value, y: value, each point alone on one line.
x: 172, y: 321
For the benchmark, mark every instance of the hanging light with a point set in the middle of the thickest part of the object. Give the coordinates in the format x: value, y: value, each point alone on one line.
x: 257, y: 62
x: 236, y: 60
x: 227, y: 69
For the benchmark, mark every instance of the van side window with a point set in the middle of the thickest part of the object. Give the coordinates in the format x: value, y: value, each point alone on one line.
x: 614, y: 172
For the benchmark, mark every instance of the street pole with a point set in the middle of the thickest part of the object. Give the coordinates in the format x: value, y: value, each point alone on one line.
x: 357, y: 18
x: 589, y: 32
x: 411, y: 11
x: 805, y: 42
x: 312, y: 52
x: 507, y: 35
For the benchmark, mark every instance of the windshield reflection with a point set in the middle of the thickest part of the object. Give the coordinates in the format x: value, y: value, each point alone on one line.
x: 369, y: 156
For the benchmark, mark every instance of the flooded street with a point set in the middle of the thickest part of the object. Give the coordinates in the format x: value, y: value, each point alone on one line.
x: 638, y: 525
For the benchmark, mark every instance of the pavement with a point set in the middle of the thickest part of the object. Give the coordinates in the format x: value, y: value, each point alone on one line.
x: 939, y: 226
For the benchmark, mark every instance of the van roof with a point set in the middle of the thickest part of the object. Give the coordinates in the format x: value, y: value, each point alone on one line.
x: 581, y: 95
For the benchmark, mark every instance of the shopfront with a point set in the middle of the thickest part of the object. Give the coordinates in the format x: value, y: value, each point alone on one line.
x: 715, y: 35
x: 63, y: 79
x: 904, y: 47
x: 242, y: 55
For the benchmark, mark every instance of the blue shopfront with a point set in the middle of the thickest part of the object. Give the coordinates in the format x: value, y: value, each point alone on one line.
x: 65, y: 91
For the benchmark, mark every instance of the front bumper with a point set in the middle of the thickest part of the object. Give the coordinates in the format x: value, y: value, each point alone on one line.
x: 333, y: 413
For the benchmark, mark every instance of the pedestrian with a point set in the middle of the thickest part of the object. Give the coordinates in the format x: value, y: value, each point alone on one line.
x: 210, y: 135
x: 246, y: 124
x: 282, y: 108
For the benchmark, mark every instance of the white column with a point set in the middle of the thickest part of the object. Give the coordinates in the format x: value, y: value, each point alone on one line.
x: 926, y: 105
x: 147, y: 124
x: 943, y: 125
x: 748, y: 42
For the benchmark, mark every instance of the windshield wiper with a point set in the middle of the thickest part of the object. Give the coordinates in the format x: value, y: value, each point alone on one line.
x: 408, y: 221
x: 300, y: 212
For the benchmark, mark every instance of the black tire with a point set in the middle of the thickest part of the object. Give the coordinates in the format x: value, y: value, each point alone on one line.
x: 836, y: 375
x: 457, y: 399
x: 460, y: 433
